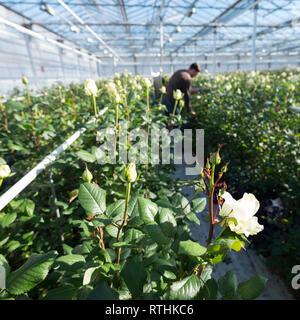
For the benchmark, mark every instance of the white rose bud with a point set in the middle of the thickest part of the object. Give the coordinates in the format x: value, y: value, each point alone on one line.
x: 4, y: 171
x: 90, y: 87
x: 87, y: 175
x: 177, y: 95
x: 147, y: 82
x: 117, y: 98
x: 25, y: 80
x: 130, y: 172
x: 163, y: 90
x: 243, y: 211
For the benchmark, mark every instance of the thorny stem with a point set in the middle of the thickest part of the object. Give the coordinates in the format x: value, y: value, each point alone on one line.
x: 148, y: 127
x: 211, y: 213
x: 28, y: 95
x: 211, y: 206
x: 124, y: 218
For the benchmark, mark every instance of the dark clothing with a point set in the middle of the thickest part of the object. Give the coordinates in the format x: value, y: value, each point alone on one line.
x: 181, y: 80
x: 170, y: 106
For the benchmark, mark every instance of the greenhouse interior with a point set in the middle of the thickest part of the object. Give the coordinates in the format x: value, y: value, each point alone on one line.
x: 149, y: 150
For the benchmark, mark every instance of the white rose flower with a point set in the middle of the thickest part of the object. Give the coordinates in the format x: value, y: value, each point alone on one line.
x: 177, y: 95
x: 243, y: 211
x: 294, y: 78
x: 251, y: 81
x: 90, y: 87
x: 111, y: 86
x: 228, y: 87
x: 4, y: 171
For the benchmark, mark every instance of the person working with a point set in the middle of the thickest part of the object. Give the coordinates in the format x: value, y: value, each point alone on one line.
x: 182, y: 80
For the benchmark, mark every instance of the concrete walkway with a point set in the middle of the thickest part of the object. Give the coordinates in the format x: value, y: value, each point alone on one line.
x: 245, y: 263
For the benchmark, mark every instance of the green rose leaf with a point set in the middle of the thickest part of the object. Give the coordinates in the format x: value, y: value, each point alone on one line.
x: 147, y: 210
x: 4, y: 264
x: 27, y: 207
x: 185, y: 289
x: 133, y: 235
x: 88, y: 275
x: 116, y: 210
x: 211, y: 289
x: 86, y: 156
x: 166, y: 215
x: 64, y: 293
x: 228, y: 284
x: 191, y: 248
x: 193, y: 218
x: 31, y: 273
x: 92, y: 198
x: 103, y: 292
x: 155, y: 232
x: 71, y: 262
x: 8, y: 219
x: 185, y: 205
x: 134, y: 275
x: 252, y: 288
x: 199, y: 204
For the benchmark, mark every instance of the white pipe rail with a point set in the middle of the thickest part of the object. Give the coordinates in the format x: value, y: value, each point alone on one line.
x: 32, y: 174
x: 23, y: 98
x: 295, y: 108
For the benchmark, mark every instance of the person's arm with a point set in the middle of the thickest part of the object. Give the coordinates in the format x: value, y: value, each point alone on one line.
x: 200, y: 90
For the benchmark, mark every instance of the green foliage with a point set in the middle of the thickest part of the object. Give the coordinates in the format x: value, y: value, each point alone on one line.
x: 251, y: 114
x: 31, y: 273
x: 107, y: 243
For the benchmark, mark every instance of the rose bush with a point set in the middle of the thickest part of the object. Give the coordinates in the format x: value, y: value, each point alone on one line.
x: 123, y: 232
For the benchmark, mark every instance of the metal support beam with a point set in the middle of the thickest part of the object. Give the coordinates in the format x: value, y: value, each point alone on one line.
x: 161, y: 30
x: 127, y: 27
x: 78, y: 67
x: 98, y: 69
x: 172, y: 64
x: 253, y: 56
x: 135, y: 65
x: 224, y: 17
x: 28, y: 47
x: 62, y: 3
x: 214, y: 52
x: 61, y: 60
x: 158, y: 18
x: 90, y: 70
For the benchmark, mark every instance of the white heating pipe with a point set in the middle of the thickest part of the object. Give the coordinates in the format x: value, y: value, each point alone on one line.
x: 32, y: 174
